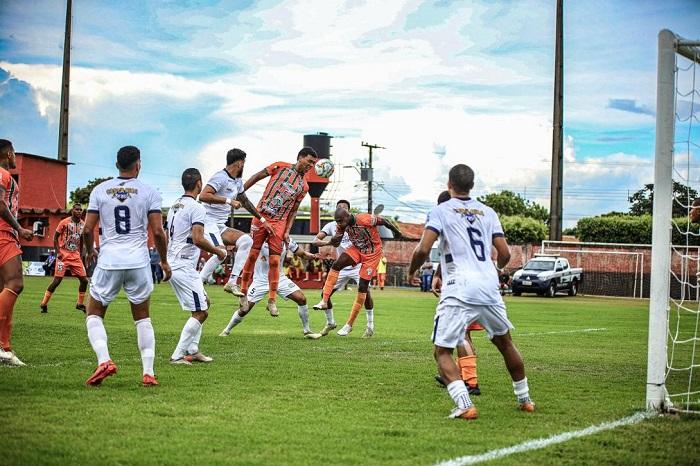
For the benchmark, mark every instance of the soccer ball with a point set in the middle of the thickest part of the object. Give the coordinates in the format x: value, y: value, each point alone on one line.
x: 324, y: 168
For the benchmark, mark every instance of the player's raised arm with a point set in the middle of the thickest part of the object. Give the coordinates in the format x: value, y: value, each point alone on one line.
x: 391, y: 226
x: 319, y: 240
x: 261, y: 175
x: 250, y: 207
x: 208, y: 195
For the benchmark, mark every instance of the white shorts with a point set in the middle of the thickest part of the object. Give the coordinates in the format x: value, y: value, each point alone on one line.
x: 346, y: 275
x: 189, y: 289
x: 137, y: 283
x: 453, y: 315
x: 213, y: 232
x: 259, y: 288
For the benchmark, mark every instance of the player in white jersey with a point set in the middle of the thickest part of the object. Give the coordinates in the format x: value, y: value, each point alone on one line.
x: 467, y: 231
x: 185, y: 226
x: 286, y: 288
x: 223, y: 191
x: 346, y: 275
x: 125, y: 208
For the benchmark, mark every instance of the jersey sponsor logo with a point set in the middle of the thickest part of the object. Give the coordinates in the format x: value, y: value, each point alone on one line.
x: 450, y: 282
x: 470, y: 214
x: 122, y: 193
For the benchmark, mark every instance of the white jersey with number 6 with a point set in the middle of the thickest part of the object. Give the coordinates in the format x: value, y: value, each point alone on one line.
x: 466, y: 229
x: 123, y: 205
x: 182, y: 216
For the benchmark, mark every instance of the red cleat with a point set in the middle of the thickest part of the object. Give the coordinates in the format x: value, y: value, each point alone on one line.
x: 103, y: 371
x: 149, y: 381
x: 468, y: 414
x: 528, y: 407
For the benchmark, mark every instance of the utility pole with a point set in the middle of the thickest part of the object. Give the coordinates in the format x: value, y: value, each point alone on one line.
x: 556, y: 198
x: 65, y: 87
x: 367, y: 174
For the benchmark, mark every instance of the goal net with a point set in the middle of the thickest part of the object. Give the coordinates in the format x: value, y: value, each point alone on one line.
x: 673, y: 370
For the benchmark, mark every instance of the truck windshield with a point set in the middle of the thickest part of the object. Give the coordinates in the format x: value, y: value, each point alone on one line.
x: 539, y: 265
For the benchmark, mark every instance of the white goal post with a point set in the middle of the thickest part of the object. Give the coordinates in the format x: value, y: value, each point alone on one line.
x: 684, y: 396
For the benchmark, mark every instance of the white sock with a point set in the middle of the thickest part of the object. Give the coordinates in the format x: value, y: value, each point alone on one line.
x: 209, y: 267
x: 147, y: 344
x: 243, y: 245
x: 304, y: 316
x: 329, y: 317
x: 370, y: 317
x: 236, y: 319
x: 194, y: 343
x: 521, y: 390
x: 188, y: 333
x: 459, y: 393
x: 98, y: 337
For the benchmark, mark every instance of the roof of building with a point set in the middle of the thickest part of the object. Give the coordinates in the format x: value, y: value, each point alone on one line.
x: 41, y: 157
x: 411, y: 230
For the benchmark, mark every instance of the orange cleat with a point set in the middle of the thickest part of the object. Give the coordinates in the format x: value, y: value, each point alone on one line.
x: 468, y: 414
x: 149, y: 380
x: 528, y: 407
x: 103, y: 371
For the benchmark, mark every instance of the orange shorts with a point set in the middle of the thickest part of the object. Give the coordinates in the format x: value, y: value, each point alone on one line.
x: 475, y: 326
x: 9, y: 247
x: 260, y: 235
x: 75, y: 265
x: 369, y: 261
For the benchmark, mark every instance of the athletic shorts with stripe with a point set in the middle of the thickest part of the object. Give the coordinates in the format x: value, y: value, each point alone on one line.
x: 213, y: 232
x: 452, y: 316
x: 137, y: 284
x: 189, y: 289
x: 260, y: 235
x: 369, y: 261
x: 76, y: 267
x: 259, y: 288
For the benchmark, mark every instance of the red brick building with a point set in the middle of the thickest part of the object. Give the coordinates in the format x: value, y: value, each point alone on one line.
x: 43, y: 185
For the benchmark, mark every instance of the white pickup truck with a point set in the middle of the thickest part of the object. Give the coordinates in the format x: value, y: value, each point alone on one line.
x: 545, y: 275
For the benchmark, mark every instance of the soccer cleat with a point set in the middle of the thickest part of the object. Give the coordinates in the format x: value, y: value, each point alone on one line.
x: 327, y: 329
x: 80, y: 307
x: 8, y: 358
x: 369, y: 331
x: 440, y: 380
x: 44, y: 308
x: 527, y: 406
x: 343, y: 332
x: 5, y: 356
x: 103, y: 371
x: 468, y: 414
x: 243, y: 301
x: 320, y: 306
x: 473, y: 390
x: 149, y: 380
x: 198, y: 357
x: 272, y: 307
x: 234, y: 289
x: 224, y: 333
x: 312, y: 335
x: 182, y: 361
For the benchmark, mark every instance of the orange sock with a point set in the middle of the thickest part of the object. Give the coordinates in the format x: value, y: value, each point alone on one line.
x: 81, y: 297
x: 330, y: 283
x: 356, y: 306
x: 273, y: 276
x: 7, y: 304
x: 47, y: 297
x: 247, y: 273
x: 467, y: 365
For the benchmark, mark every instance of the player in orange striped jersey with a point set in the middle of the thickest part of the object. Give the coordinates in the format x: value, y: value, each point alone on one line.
x: 366, y: 249
x: 278, y: 207
x: 68, y: 242
x: 10, y: 253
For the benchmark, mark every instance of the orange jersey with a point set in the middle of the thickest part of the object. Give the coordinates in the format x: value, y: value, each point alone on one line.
x: 11, y: 197
x: 285, y: 188
x: 69, y: 238
x: 364, y: 235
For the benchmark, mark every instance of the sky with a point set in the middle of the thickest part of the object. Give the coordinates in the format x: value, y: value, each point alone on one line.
x: 434, y: 82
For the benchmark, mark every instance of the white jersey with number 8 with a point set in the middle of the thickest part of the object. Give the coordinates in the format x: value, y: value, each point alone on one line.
x: 466, y: 229
x: 123, y: 205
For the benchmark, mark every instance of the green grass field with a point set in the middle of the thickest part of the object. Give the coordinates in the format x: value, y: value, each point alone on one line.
x: 272, y: 397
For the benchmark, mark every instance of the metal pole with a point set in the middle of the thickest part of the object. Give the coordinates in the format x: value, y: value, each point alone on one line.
x: 556, y: 198
x: 65, y: 88
x: 369, y: 183
x: 661, y: 227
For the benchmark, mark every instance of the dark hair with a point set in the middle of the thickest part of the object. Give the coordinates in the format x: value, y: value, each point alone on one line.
x: 306, y: 151
x: 5, y: 145
x: 444, y: 196
x: 77, y: 203
x: 461, y: 178
x: 189, y: 178
x: 234, y: 155
x: 127, y: 157
x: 343, y: 201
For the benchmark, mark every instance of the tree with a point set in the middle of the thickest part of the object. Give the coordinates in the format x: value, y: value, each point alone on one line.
x: 643, y: 200
x: 508, y: 203
x: 82, y: 195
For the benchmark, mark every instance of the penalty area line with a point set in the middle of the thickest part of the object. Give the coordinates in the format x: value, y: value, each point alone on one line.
x: 545, y: 442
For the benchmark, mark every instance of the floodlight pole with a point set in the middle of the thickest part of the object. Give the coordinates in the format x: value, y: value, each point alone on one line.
x: 556, y: 197
x: 370, y: 174
x: 65, y: 87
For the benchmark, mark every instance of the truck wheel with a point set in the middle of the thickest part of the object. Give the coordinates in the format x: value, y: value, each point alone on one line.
x: 573, y: 289
x: 551, y: 289
x: 517, y: 292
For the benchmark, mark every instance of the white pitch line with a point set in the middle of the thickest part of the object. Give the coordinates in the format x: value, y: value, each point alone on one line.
x: 545, y: 442
x: 583, y: 330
